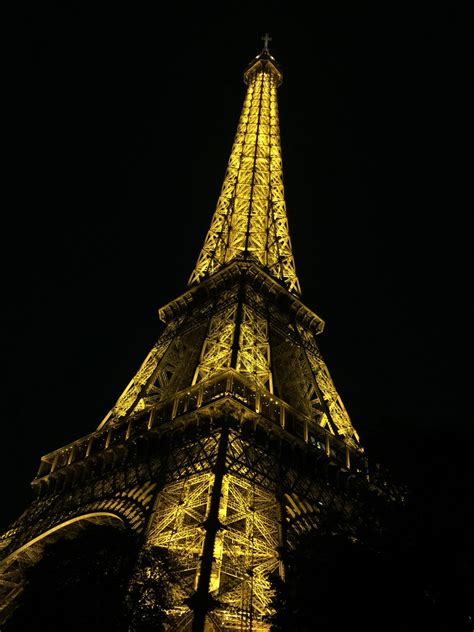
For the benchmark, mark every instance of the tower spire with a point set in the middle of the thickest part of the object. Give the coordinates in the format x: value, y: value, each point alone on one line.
x: 250, y: 220
x: 266, y: 39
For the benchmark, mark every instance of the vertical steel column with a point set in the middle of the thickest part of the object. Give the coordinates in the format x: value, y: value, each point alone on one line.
x: 202, y: 601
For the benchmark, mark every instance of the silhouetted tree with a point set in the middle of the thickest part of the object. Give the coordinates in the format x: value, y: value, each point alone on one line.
x: 99, y: 580
x: 151, y: 588
x: 385, y: 578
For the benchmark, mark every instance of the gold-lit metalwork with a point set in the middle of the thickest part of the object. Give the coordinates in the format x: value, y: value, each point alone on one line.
x: 216, y: 351
x: 244, y: 550
x: 130, y: 398
x: 231, y: 439
x: 250, y: 219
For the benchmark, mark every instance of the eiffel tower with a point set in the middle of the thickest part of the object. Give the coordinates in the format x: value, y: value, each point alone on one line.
x: 231, y: 439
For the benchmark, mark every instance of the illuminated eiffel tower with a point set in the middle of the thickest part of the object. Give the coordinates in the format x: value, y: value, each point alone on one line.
x: 231, y: 440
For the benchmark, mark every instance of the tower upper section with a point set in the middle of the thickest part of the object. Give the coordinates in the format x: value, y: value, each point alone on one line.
x: 250, y: 220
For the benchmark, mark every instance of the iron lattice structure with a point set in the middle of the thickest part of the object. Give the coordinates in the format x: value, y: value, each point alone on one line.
x: 231, y: 440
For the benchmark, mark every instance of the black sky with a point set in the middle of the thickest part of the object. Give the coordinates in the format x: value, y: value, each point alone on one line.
x: 118, y: 131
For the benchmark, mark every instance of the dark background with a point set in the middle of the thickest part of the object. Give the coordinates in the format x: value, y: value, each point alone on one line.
x: 119, y: 127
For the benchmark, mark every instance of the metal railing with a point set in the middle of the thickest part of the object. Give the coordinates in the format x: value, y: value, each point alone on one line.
x: 228, y: 384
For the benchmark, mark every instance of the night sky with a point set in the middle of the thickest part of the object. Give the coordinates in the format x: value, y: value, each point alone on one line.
x: 118, y: 132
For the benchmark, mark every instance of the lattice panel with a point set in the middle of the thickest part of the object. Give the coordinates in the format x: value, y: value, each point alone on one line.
x: 132, y: 392
x: 254, y: 350
x: 246, y: 554
x: 177, y: 525
x: 252, y: 462
x: 244, y: 550
x: 195, y: 457
x: 176, y: 369
x: 338, y: 414
x: 217, y: 348
x: 294, y: 379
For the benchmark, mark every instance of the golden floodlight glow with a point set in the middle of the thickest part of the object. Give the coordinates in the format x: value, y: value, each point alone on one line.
x: 231, y: 440
x: 250, y: 218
